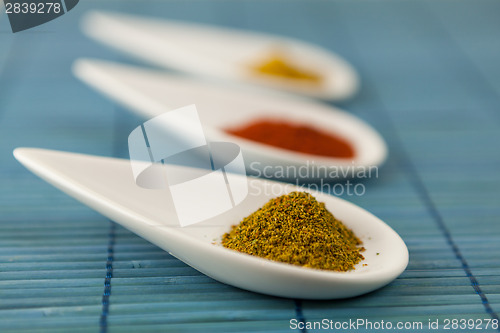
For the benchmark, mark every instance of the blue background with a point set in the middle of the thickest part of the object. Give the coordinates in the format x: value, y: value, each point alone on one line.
x: 430, y: 74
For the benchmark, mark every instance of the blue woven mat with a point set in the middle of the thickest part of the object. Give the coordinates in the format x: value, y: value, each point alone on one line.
x: 431, y: 86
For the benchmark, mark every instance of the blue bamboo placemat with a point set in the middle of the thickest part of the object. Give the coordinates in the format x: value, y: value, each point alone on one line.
x: 430, y: 76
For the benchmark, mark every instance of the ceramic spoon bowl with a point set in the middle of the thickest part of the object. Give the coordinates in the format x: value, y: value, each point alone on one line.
x: 106, y: 185
x: 221, y: 53
x: 150, y: 93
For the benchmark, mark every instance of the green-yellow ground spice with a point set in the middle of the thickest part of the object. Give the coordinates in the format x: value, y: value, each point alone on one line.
x: 297, y: 229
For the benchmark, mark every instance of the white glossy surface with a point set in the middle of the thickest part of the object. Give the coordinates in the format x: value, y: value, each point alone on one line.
x: 106, y: 185
x: 220, y: 52
x: 151, y: 93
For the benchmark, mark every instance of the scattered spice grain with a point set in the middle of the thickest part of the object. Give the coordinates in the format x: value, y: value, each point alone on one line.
x: 297, y: 229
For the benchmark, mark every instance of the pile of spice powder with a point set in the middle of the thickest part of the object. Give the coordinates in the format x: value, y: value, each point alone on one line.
x: 277, y: 65
x: 297, y: 229
x: 295, y: 137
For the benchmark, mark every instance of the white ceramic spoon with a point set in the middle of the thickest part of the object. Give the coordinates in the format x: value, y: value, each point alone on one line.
x: 151, y: 93
x: 106, y: 185
x: 221, y: 53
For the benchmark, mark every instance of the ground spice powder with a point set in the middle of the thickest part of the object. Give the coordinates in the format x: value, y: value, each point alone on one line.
x: 277, y: 65
x: 295, y: 137
x: 297, y: 229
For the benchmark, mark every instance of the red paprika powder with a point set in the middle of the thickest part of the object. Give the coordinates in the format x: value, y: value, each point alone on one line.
x: 295, y: 137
